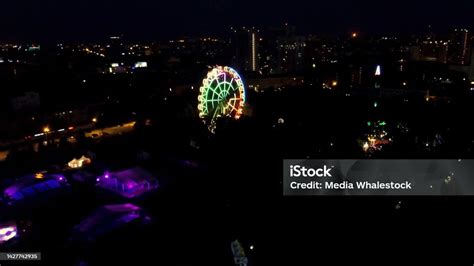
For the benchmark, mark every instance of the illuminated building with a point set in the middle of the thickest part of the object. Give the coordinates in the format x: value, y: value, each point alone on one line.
x: 116, y: 68
x: 33, y: 48
x: 245, y: 43
x: 259, y: 84
x: 378, y: 71
x: 433, y: 50
x: 79, y: 163
x: 459, y: 47
x: 8, y: 232
x: 141, y: 65
x: 290, y: 49
x: 378, y: 74
x: 356, y: 76
x: 31, y: 186
x: 467, y: 68
x: 253, y: 52
x: 129, y: 183
x: 471, y: 69
x: 115, y: 48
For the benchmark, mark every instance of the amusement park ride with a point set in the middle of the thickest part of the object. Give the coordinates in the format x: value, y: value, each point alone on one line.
x: 222, y: 94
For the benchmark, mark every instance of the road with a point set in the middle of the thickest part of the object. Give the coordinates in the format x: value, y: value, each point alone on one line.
x: 95, y: 133
x: 115, y: 130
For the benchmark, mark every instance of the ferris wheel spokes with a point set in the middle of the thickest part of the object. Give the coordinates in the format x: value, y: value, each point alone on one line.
x: 222, y: 94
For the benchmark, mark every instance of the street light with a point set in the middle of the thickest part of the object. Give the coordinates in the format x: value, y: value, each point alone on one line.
x: 94, y: 120
x: 46, y: 131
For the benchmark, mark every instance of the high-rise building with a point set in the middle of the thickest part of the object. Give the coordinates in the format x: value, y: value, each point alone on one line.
x: 115, y: 48
x: 471, y: 69
x: 268, y: 54
x: 291, y: 50
x: 355, y: 73
x: 459, y: 47
x: 245, y: 44
x: 253, y: 51
x: 434, y: 50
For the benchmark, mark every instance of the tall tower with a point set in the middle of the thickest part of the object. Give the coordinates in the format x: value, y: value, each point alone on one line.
x: 253, y: 51
x: 245, y: 45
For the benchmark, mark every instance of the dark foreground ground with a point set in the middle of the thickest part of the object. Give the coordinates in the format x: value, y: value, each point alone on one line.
x: 234, y: 191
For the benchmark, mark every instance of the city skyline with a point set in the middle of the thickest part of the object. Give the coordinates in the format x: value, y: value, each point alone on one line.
x: 125, y: 123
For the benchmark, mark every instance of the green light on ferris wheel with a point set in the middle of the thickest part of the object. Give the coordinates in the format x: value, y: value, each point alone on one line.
x: 222, y: 94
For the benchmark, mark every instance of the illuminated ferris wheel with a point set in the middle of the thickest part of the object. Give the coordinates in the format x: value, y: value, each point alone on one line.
x: 222, y: 94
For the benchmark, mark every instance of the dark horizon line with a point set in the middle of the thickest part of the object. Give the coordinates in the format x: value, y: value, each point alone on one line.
x: 130, y: 37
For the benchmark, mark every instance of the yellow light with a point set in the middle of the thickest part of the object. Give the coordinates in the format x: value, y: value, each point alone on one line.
x: 39, y: 176
x: 46, y: 130
x: 334, y: 83
x: 354, y: 35
x: 94, y: 120
x: 365, y: 147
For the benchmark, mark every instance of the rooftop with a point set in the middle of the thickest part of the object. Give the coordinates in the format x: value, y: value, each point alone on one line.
x: 129, y: 183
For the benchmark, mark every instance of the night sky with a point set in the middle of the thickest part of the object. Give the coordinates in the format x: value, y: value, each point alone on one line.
x: 153, y: 20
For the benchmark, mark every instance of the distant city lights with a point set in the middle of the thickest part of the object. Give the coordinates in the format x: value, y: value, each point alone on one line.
x: 376, y: 138
x: 141, y: 65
